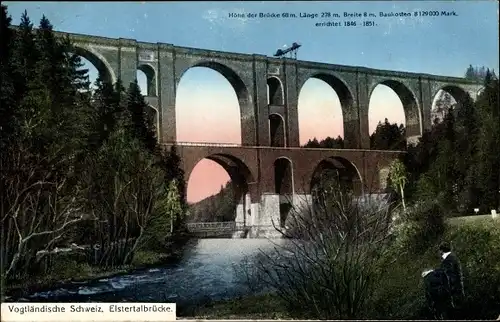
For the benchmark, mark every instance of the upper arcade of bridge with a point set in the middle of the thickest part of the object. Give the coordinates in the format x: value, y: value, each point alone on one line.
x: 267, y: 88
x: 180, y: 50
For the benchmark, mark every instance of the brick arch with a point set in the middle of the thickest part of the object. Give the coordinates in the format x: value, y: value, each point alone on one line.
x: 411, y: 106
x: 240, y: 174
x: 100, y: 63
x: 348, y: 173
x: 247, y: 113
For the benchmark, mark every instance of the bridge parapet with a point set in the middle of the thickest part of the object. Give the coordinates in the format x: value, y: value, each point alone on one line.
x: 212, y: 226
x: 235, y: 145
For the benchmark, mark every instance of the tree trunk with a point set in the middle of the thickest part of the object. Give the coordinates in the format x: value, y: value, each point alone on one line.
x: 403, y: 197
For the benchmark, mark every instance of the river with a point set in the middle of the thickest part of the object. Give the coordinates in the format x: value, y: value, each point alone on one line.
x: 206, y: 272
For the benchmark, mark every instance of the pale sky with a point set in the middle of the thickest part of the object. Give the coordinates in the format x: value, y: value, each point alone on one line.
x: 206, y: 101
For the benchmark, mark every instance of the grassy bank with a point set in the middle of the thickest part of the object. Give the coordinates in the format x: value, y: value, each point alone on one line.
x: 267, y: 306
x: 65, y: 271
x: 473, y: 220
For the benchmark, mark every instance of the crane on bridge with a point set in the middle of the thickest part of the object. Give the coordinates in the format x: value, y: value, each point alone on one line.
x: 291, y: 50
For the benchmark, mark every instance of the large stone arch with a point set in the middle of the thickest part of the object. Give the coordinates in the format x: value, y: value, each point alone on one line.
x: 346, y: 171
x: 346, y: 97
x: 101, y: 64
x: 411, y: 107
x: 275, y: 91
x: 247, y: 113
x: 461, y: 96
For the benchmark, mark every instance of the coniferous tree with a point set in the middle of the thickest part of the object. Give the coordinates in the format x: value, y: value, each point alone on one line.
x: 466, y: 132
x: 8, y: 124
x: 141, y: 123
x: 104, y: 116
x: 171, y: 163
x: 327, y: 143
x: 469, y: 73
x: 60, y: 71
x: 388, y: 136
x: 39, y: 163
x: 485, y: 173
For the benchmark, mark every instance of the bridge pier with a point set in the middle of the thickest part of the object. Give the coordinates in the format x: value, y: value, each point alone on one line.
x: 245, y: 211
x: 272, y: 211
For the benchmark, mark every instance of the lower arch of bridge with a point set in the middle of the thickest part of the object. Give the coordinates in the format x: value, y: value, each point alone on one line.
x: 345, y: 96
x: 105, y: 72
x: 241, y: 179
x: 248, y: 128
x: 413, y: 115
x: 337, y: 170
x: 284, y: 186
x: 276, y: 130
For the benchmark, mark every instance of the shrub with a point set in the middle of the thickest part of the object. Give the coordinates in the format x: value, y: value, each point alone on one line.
x: 399, y: 293
x: 328, y: 271
x: 420, y: 227
x: 478, y: 248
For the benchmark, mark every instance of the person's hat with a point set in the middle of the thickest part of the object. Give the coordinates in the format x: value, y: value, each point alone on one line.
x: 445, y: 247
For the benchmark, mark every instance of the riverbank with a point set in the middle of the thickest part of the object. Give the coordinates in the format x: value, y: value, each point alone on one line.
x: 67, y: 272
x: 253, y: 307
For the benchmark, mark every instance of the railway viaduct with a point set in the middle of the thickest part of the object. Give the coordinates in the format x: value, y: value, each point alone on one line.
x: 269, y: 168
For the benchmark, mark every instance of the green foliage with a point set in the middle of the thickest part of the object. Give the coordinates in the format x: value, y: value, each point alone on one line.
x: 458, y: 159
x: 400, y: 292
x: 8, y: 122
x: 327, y: 143
x: 388, y: 136
x: 142, y: 125
x: 77, y: 167
x: 485, y: 171
x: 216, y: 208
x: 420, y: 227
x: 479, y: 249
x: 478, y: 73
x: 171, y: 165
x: 42, y: 141
x: 398, y: 179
